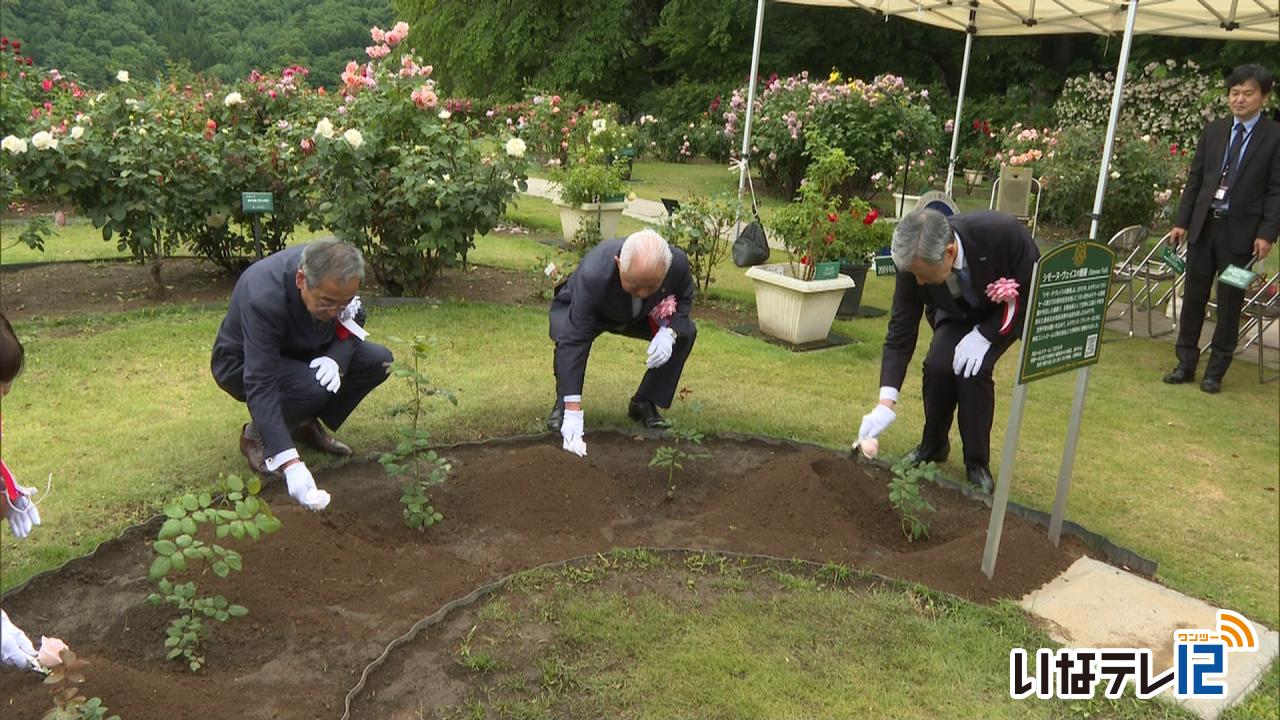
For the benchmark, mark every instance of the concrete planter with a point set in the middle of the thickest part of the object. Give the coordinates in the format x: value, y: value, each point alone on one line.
x: 903, y: 204
x: 609, y: 213
x: 795, y: 311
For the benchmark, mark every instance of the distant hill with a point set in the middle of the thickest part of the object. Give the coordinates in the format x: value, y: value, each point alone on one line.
x: 223, y: 38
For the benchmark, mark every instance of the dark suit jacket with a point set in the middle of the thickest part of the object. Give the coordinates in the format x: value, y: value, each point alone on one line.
x: 995, y: 246
x: 267, y: 320
x: 1255, y: 192
x: 592, y: 301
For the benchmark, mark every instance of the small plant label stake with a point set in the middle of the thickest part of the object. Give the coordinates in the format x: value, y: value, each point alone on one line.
x: 237, y: 511
x: 412, y: 456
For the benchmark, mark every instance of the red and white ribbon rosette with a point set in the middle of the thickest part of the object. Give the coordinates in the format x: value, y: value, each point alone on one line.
x: 347, y: 325
x: 660, y: 315
x: 1005, y: 290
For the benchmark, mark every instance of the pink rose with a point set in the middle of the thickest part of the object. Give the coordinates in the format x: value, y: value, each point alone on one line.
x: 377, y: 34
x: 1003, y: 290
x: 50, y: 653
x: 664, y: 309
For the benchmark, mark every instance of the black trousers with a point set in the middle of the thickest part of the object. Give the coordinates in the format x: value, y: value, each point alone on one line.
x: 1206, y: 259
x: 975, y: 396
x: 302, y: 398
x: 659, y: 385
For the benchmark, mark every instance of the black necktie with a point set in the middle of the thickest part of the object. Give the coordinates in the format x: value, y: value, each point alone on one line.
x: 1233, y: 156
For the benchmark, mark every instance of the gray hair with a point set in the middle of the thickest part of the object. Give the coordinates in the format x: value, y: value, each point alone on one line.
x: 331, y: 259
x: 922, y: 234
x: 649, y: 247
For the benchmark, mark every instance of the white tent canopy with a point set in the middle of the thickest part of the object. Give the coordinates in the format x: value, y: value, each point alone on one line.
x: 1217, y: 19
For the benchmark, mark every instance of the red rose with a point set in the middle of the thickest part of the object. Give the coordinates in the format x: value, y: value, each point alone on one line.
x: 17, y: 44
x: 830, y: 238
x: 832, y: 217
x: 872, y: 214
x: 977, y: 124
x: 46, y: 84
x: 4, y: 42
x: 211, y: 124
x: 30, y: 62
x: 804, y: 260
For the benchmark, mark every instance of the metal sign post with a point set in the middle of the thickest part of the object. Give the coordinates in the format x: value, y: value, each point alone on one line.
x: 1062, y: 330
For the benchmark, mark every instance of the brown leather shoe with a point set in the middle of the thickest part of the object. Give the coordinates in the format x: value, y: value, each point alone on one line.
x: 310, y: 433
x: 251, y: 448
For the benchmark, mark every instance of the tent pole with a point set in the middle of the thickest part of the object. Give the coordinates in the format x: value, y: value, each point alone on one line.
x: 964, y: 82
x: 1105, y: 168
x: 745, y: 157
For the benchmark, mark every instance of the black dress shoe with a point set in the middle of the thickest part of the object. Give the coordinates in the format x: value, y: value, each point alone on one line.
x: 251, y: 448
x: 1180, y: 375
x: 645, y: 413
x: 311, y: 434
x: 1211, y: 385
x: 980, y: 477
x: 921, y: 454
x: 556, y: 417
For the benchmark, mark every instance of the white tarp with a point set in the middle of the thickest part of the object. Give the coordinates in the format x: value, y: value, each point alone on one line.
x: 1217, y: 19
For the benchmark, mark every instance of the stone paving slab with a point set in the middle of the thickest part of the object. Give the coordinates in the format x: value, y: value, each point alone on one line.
x: 1095, y: 605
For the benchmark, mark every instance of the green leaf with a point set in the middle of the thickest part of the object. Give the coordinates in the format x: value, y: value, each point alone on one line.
x: 178, y: 561
x: 159, y: 568
x: 205, y: 500
x: 174, y: 511
x: 235, y: 484
x: 253, y: 530
x: 233, y: 561
x: 183, y: 541
x: 169, y: 529
x: 164, y: 547
x: 243, y: 511
x: 267, y: 523
x: 189, y: 502
x: 222, y: 531
x: 254, y: 485
x: 200, y: 516
x: 237, y: 530
x: 174, y: 654
x: 220, y: 569
x: 237, y: 611
x: 188, y: 525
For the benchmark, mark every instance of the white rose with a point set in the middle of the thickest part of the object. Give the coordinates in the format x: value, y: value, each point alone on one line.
x: 77, y: 132
x: 13, y: 144
x: 324, y: 129
x: 515, y: 147
x: 1115, y: 174
x: 353, y: 137
x: 44, y: 141
x: 599, y: 125
x: 131, y: 102
x: 445, y: 114
x: 123, y: 76
x: 445, y: 177
x: 431, y: 182
x: 232, y: 98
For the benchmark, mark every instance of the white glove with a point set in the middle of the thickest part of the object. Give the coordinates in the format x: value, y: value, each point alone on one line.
x: 327, y: 373
x: 970, y: 351
x: 351, y: 310
x: 22, y: 515
x: 302, y: 487
x: 571, y: 431
x: 15, y: 647
x: 660, y: 348
x: 876, y: 422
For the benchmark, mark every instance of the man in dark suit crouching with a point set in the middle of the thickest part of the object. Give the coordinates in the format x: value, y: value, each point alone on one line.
x: 958, y: 273
x: 641, y: 288
x: 292, y: 348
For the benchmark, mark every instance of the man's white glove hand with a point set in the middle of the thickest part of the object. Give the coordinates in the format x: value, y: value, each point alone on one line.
x: 15, y: 647
x: 660, y: 348
x: 571, y: 431
x: 876, y: 422
x: 327, y: 373
x: 351, y: 310
x: 22, y: 514
x: 302, y: 487
x: 970, y: 351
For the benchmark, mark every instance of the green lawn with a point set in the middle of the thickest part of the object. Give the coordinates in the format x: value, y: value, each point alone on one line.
x: 1184, y: 478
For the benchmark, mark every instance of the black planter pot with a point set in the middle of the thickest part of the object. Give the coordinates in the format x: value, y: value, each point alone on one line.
x: 852, y: 299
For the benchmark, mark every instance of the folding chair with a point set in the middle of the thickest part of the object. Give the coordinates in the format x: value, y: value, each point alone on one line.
x: 1011, y: 193
x: 1262, y: 309
x: 1154, y: 269
x: 1128, y: 244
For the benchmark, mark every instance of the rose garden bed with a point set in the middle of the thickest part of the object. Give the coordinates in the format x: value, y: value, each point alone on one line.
x: 329, y: 591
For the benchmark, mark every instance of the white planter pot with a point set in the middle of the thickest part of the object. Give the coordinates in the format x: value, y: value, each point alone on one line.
x: 795, y: 311
x: 572, y: 216
x: 904, y: 204
x: 974, y: 177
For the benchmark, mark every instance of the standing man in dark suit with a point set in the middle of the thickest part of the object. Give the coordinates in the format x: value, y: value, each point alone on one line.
x: 1230, y: 212
x: 292, y: 348
x: 641, y: 288
x: 947, y: 270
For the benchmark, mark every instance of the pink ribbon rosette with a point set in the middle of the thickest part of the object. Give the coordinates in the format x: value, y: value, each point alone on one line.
x: 660, y: 315
x: 1005, y: 290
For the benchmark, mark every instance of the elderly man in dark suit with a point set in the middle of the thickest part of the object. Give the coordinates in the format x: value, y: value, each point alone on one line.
x: 292, y: 348
x: 641, y: 288
x: 949, y: 270
x: 1230, y: 213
